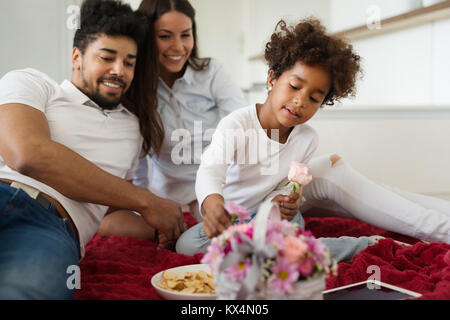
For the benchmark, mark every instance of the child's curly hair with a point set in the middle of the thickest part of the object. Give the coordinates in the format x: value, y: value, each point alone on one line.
x: 308, y: 43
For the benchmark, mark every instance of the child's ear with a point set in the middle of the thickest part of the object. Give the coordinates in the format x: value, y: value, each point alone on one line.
x: 271, y: 80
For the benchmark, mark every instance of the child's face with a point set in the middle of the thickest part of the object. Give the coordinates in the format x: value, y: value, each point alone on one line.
x: 298, y: 93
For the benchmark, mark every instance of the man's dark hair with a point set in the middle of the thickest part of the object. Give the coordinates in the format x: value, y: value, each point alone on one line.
x: 108, y: 17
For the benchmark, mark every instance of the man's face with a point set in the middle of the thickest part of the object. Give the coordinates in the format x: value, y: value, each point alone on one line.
x: 106, y: 69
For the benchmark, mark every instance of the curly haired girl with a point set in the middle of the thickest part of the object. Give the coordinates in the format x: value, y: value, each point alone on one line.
x: 307, y: 69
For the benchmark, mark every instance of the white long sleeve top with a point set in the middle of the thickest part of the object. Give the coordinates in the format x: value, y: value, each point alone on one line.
x: 247, y: 167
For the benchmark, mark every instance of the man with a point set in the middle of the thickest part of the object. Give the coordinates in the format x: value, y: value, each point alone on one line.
x: 68, y: 152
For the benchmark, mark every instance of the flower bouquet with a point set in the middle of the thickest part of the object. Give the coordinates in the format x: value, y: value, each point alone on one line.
x: 268, y: 259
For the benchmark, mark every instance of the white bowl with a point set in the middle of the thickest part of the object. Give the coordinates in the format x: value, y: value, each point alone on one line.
x: 173, y: 295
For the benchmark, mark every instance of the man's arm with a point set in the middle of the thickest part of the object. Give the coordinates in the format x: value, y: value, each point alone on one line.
x: 26, y: 146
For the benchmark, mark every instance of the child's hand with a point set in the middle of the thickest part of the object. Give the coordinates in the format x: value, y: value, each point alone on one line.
x: 289, y: 205
x: 216, y: 219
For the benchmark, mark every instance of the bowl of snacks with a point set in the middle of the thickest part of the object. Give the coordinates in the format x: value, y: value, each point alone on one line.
x: 192, y: 282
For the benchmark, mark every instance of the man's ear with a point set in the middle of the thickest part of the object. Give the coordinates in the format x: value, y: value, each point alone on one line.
x: 76, y: 59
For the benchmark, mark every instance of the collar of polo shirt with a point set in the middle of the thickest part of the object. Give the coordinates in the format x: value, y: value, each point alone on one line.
x: 81, y: 98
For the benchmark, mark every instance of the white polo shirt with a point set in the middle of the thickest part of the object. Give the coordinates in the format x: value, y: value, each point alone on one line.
x: 110, y: 139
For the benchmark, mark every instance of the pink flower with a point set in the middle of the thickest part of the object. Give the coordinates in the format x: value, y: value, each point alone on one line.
x: 318, y: 249
x: 294, y: 248
x: 298, y: 172
x: 214, y: 255
x: 237, y: 212
x: 306, y: 233
x: 276, y: 239
x: 306, y: 267
x: 241, y: 228
x: 238, y: 271
x: 249, y: 232
x: 227, y: 248
x: 281, y: 226
x: 285, y: 274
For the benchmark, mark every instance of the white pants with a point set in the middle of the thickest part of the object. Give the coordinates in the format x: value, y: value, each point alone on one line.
x: 348, y: 194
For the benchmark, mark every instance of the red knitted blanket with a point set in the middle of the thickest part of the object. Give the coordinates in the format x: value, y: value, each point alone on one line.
x: 121, y: 268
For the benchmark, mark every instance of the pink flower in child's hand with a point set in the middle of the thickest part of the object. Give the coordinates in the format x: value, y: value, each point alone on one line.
x: 298, y: 172
x: 237, y: 211
x: 285, y: 274
x: 293, y: 249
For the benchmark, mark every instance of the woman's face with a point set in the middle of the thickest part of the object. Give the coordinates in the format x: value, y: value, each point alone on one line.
x: 174, y: 40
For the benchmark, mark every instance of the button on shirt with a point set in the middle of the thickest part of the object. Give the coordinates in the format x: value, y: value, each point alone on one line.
x: 110, y: 139
x: 190, y: 112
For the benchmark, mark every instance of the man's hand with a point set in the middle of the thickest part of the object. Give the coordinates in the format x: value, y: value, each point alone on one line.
x: 216, y: 219
x: 289, y: 205
x: 165, y: 216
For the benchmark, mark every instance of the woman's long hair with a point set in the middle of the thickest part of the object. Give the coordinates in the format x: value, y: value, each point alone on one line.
x: 154, y: 9
x: 141, y: 97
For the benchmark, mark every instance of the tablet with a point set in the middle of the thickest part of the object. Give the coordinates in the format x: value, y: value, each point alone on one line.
x: 369, y: 290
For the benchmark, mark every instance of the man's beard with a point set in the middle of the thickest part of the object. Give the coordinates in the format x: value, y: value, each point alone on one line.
x: 99, y: 99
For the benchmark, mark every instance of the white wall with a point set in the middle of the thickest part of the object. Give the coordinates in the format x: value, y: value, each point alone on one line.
x: 397, y: 129
x: 346, y: 14
x: 133, y: 3
x: 408, y: 67
x: 34, y: 34
x: 411, y: 153
x: 441, y: 63
x: 220, y: 32
x: 234, y: 30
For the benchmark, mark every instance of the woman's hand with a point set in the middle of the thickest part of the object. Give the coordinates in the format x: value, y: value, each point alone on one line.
x: 289, y: 205
x: 216, y: 219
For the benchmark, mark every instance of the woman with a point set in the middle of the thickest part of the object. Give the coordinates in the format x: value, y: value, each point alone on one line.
x: 193, y: 94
